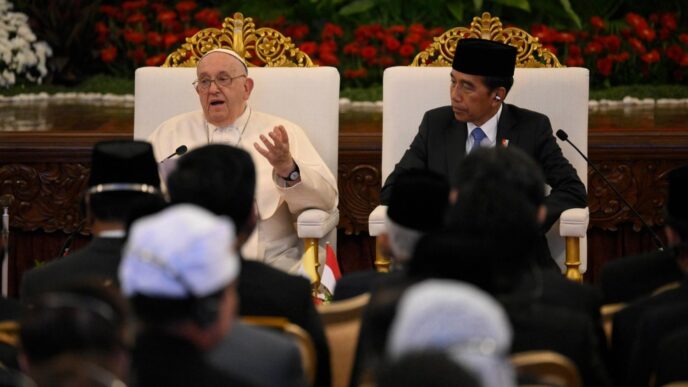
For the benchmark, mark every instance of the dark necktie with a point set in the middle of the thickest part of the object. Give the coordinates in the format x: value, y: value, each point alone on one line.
x: 478, y: 136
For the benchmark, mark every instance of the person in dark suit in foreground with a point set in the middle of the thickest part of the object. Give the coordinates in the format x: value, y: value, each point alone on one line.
x: 221, y: 178
x: 179, y: 272
x: 76, y: 336
x: 492, y: 232
x: 124, y: 176
x: 417, y: 206
x: 481, y: 76
x: 628, y: 323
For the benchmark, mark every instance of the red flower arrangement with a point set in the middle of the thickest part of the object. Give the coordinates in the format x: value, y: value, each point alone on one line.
x: 639, y: 49
x: 142, y: 32
x: 646, y: 50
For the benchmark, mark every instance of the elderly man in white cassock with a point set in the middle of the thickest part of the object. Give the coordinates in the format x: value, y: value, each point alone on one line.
x: 291, y: 176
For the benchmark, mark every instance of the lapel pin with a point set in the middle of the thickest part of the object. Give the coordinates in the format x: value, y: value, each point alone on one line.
x: 505, y: 142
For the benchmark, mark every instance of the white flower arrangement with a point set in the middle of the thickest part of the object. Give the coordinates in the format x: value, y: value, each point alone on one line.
x: 20, y: 54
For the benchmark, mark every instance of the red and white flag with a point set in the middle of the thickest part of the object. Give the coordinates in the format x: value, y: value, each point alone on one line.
x: 331, y: 272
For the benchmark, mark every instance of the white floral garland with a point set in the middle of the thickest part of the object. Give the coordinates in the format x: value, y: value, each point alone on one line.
x: 20, y: 54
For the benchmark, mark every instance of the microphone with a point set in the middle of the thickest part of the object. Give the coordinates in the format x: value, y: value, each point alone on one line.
x: 565, y: 137
x: 177, y: 152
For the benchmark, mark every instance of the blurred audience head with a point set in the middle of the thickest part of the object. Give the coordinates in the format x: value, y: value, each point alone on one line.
x: 179, y: 270
x: 459, y: 319
x: 76, y: 336
x: 417, y: 205
x: 219, y: 178
x: 425, y: 368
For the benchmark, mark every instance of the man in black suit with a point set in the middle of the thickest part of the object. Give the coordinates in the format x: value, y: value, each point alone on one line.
x: 481, y: 76
x: 417, y: 206
x: 222, y: 179
x: 124, y: 178
x: 628, y: 323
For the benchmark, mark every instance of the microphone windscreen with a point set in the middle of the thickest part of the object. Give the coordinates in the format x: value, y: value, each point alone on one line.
x: 181, y: 150
x: 562, y: 135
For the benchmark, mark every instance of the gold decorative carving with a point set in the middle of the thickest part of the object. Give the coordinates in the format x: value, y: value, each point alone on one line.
x: 261, y: 47
x: 46, y: 195
x: 530, y: 52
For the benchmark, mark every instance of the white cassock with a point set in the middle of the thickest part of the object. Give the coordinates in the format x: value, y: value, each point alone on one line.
x: 274, y: 240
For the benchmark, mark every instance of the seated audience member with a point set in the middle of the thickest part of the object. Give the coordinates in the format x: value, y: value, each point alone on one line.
x: 629, y: 320
x: 484, y: 181
x: 459, y: 319
x: 672, y: 357
x: 416, y: 206
x: 221, y: 179
x: 179, y: 270
x: 425, y: 368
x: 481, y: 76
x: 76, y: 336
x: 499, y: 208
x: 279, y: 358
x: 291, y: 175
x: 652, y: 330
x: 124, y: 176
x: 491, y: 241
x: 632, y: 278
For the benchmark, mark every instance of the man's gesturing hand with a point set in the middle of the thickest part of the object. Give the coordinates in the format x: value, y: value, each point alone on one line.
x: 277, y: 151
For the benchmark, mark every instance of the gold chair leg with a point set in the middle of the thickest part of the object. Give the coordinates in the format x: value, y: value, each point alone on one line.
x: 314, y: 260
x: 573, y: 259
x: 382, y: 263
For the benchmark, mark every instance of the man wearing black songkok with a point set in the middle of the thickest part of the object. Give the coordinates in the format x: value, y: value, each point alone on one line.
x: 481, y: 76
x: 124, y: 182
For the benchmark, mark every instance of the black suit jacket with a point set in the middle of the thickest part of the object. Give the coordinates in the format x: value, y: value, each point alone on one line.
x: 672, y: 357
x: 544, y: 327
x: 630, y: 278
x: 99, y: 259
x: 266, y: 291
x: 653, y: 329
x: 441, y: 143
x: 627, y: 325
x: 259, y: 356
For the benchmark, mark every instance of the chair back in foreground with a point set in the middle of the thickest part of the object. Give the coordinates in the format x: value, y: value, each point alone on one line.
x: 549, y: 368
x: 542, y: 85
x: 342, y: 323
x: 302, y: 339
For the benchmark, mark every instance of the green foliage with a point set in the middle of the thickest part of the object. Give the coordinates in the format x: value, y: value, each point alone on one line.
x: 94, y: 84
x: 640, y: 91
x: 67, y: 26
x: 373, y: 93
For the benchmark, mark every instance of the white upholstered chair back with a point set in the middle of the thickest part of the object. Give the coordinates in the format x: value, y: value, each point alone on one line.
x: 308, y: 97
x: 559, y: 93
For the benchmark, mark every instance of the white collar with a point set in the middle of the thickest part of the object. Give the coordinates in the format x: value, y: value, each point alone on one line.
x: 237, y: 124
x: 489, y: 127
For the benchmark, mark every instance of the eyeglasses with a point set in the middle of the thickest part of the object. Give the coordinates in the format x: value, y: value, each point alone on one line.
x: 221, y: 81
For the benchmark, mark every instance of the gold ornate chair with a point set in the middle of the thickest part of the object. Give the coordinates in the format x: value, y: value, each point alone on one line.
x: 541, y: 83
x: 288, y: 85
x: 302, y: 339
x: 342, y: 323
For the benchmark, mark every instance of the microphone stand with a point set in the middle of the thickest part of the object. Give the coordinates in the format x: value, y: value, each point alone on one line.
x: 658, y: 242
x: 5, y: 201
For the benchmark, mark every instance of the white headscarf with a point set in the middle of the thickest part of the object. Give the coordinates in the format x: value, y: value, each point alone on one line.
x: 459, y: 319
